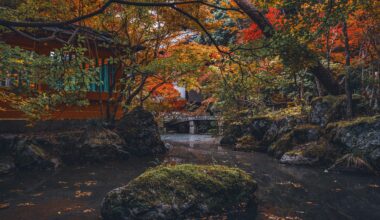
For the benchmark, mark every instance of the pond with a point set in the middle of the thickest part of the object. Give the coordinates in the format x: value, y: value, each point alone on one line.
x: 76, y: 192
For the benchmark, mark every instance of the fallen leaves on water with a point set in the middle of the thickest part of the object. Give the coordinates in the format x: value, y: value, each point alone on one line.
x: 4, y: 205
x: 374, y: 186
x: 295, y: 185
x: 69, y: 209
x: 271, y: 216
x: 86, y: 183
x: 25, y: 204
x: 80, y: 194
x: 88, y: 210
x: 62, y: 182
x: 37, y: 194
x: 90, y: 183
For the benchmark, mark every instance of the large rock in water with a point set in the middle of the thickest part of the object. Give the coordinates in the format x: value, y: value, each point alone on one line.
x: 228, y: 140
x: 99, y: 144
x: 27, y: 154
x: 6, y: 165
x: 140, y: 132
x: 259, y: 126
x: 315, y: 152
x: 231, y: 134
x: 280, y: 127
x: 300, y: 134
x: 181, y: 192
x: 360, y: 137
x: 333, y: 108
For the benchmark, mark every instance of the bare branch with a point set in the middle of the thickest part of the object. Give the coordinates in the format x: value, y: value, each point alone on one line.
x: 35, y: 24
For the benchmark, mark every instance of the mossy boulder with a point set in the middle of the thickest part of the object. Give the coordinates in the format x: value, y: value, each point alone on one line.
x: 280, y: 127
x: 6, y: 143
x: 228, y: 140
x: 333, y: 108
x: 99, y: 144
x: 259, y: 126
x: 315, y: 152
x: 6, y: 165
x: 140, y: 133
x: 233, y: 132
x: 248, y: 143
x: 300, y: 134
x: 181, y: 192
x: 359, y: 136
x: 28, y: 155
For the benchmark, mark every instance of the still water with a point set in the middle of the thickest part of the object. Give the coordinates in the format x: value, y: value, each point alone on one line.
x: 285, y: 192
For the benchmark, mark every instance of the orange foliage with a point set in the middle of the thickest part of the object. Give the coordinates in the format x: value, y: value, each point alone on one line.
x: 253, y: 32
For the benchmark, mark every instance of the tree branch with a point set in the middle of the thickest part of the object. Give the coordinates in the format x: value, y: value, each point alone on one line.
x: 36, y: 24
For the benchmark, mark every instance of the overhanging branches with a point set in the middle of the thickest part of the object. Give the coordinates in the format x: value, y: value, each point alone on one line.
x: 39, y: 24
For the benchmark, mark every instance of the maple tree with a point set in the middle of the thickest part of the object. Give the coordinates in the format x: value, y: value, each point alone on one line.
x: 151, y: 42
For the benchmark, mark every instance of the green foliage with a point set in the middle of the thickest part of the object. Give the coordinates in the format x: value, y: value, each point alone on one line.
x: 45, y: 82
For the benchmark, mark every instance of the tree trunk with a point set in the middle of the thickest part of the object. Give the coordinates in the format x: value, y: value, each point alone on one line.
x: 347, y: 86
x: 319, y: 88
x: 318, y: 70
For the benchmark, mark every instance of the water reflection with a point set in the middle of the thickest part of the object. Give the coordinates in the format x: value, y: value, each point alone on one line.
x: 287, y: 192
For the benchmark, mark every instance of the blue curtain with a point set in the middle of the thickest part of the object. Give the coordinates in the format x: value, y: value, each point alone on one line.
x: 106, y: 75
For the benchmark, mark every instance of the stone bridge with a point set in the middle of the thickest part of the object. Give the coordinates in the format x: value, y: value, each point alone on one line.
x: 177, y: 119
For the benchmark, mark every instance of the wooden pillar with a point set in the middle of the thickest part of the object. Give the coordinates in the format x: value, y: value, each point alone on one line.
x: 220, y: 127
x: 192, y: 127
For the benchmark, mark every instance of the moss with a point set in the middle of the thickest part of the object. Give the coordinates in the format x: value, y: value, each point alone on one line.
x: 246, y: 140
x: 354, y: 121
x: 321, y: 150
x: 335, y: 100
x: 306, y: 127
x: 186, y: 180
x: 295, y: 111
x: 282, y: 145
x: 316, y: 150
x: 216, y: 187
x: 38, y: 151
x: 334, y: 107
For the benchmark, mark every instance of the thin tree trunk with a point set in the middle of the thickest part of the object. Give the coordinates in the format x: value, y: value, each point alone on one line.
x: 328, y: 48
x: 347, y: 86
x: 319, y: 88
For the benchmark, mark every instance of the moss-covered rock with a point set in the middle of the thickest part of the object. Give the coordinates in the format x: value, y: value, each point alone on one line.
x: 359, y: 136
x: 232, y: 132
x: 98, y: 144
x: 259, y: 126
x: 315, y: 152
x: 180, y: 192
x: 248, y: 143
x: 29, y: 155
x: 300, y: 134
x: 333, y: 108
x: 228, y: 140
x: 282, y: 145
x: 141, y: 133
x: 6, y: 165
x: 280, y: 127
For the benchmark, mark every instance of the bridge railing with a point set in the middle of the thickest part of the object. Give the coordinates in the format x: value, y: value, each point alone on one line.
x: 190, y: 118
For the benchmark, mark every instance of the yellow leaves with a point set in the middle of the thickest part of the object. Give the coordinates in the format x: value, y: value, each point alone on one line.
x: 81, y: 194
x: 4, y: 205
x: 25, y: 204
x: 88, y: 210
